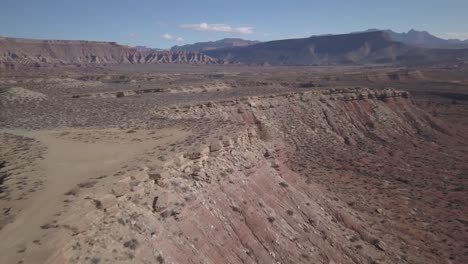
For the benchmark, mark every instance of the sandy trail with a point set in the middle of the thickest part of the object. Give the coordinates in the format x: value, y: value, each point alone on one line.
x: 67, y: 163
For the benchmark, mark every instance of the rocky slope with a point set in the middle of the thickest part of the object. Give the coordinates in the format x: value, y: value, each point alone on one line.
x: 290, y: 178
x: 16, y: 52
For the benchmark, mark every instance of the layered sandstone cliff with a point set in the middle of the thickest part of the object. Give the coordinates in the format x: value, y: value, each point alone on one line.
x: 18, y: 52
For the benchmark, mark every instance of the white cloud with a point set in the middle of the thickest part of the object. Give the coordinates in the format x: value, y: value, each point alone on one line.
x: 167, y: 36
x: 453, y: 35
x: 218, y: 28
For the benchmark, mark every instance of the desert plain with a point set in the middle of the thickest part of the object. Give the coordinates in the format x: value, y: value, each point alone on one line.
x: 234, y: 164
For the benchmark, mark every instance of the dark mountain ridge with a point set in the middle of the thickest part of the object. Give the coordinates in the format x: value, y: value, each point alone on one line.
x: 344, y: 49
x: 424, y: 39
x: 218, y: 44
x: 319, y: 50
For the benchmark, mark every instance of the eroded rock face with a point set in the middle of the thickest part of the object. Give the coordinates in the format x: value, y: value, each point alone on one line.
x: 36, y: 53
x: 301, y: 179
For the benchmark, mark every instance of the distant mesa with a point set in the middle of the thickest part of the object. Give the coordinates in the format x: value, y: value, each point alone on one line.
x: 37, y: 53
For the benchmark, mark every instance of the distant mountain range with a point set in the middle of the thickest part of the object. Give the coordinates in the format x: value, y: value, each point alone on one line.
x: 370, y: 47
x: 355, y: 48
x: 424, y: 39
x: 219, y: 44
x: 412, y: 37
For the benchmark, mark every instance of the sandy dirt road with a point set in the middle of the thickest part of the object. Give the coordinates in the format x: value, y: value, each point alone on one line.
x: 67, y: 163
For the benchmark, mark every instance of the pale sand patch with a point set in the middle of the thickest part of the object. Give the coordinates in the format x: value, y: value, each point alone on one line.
x: 19, y: 94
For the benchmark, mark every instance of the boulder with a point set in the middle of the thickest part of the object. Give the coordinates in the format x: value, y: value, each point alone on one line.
x: 157, y: 176
x: 197, y: 152
x: 121, y: 188
x: 161, y: 202
x: 252, y: 132
x: 215, y: 146
x: 107, y: 202
x: 227, y: 142
x: 140, y: 176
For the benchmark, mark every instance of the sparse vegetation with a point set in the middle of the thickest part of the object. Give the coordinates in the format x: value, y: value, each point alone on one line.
x: 160, y: 259
x: 131, y: 244
x: 88, y: 184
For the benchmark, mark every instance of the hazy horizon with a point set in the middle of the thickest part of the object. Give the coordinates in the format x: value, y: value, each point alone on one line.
x: 164, y: 24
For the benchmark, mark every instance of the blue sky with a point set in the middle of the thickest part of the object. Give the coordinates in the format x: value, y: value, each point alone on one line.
x: 165, y: 23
